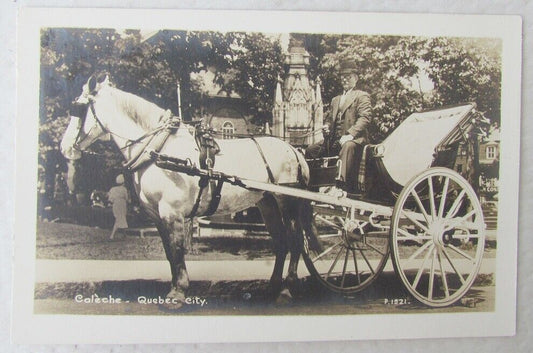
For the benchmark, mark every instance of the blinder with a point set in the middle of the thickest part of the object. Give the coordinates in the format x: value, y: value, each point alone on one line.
x: 80, y: 110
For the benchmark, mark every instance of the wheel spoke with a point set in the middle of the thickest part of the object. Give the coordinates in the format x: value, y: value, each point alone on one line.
x: 325, y: 252
x: 419, y: 251
x: 443, y: 197
x: 331, y: 235
x: 456, y: 204
x: 344, y: 267
x: 422, y: 209
x: 333, y: 264
x: 328, y: 222
x: 367, y: 262
x: 432, y: 274
x: 415, y: 221
x: 409, y: 236
x: 443, y: 274
x: 467, y: 236
x: 453, y: 266
x: 462, y: 221
x: 421, y: 269
x: 460, y: 252
x: 431, y: 198
x: 375, y: 249
x: 356, y: 268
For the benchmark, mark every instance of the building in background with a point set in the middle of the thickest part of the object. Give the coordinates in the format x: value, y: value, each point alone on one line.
x: 297, y: 116
x: 489, y: 164
x: 226, y: 112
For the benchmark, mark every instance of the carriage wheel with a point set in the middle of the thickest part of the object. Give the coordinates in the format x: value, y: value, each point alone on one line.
x: 437, y: 236
x: 343, y: 255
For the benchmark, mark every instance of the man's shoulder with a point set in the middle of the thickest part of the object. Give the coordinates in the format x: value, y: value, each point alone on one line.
x: 359, y: 92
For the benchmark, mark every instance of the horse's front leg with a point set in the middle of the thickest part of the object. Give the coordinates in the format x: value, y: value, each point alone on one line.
x: 273, y: 221
x: 295, y: 240
x: 174, y: 237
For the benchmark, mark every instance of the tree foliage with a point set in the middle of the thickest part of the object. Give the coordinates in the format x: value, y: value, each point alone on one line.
x: 393, y: 69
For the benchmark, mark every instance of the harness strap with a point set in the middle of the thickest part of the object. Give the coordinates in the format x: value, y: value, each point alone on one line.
x: 135, y: 163
x: 300, y: 174
x: 197, y: 202
x: 269, y: 171
x: 208, y: 149
x: 155, y: 143
x: 215, y: 197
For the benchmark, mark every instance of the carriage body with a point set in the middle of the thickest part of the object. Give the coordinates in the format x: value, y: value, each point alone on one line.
x: 436, y: 138
x: 435, y: 230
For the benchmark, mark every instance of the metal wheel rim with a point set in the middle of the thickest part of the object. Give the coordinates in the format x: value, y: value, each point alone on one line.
x: 351, y: 265
x: 438, y: 233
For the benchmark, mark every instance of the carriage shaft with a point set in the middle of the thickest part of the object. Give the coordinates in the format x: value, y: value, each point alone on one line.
x: 182, y: 166
x: 318, y: 197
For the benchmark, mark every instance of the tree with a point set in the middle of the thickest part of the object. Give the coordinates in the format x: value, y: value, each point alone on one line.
x: 248, y: 64
x: 464, y: 70
x: 253, y: 72
x: 391, y: 67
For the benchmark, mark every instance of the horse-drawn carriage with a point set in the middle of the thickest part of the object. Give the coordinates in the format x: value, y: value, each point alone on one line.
x: 433, y: 225
x: 418, y: 209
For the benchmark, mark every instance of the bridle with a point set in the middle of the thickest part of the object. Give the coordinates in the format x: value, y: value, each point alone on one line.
x: 81, y: 136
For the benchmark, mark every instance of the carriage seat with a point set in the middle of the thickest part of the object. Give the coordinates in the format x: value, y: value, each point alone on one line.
x: 324, y: 171
x: 422, y: 140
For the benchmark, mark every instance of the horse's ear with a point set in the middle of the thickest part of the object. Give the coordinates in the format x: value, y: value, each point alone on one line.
x: 102, y: 77
x: 91, y: 83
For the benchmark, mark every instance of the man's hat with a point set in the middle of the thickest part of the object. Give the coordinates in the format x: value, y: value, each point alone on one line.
x: 348, y: 67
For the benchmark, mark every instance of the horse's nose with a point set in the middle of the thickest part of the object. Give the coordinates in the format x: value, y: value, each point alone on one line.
x: 69, y: 149
x: 70, y: 152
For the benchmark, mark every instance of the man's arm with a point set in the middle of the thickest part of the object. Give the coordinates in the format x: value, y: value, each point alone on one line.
x: 363, y: 111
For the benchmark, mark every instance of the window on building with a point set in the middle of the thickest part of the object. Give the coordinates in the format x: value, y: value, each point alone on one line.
x: 227, y: 130
x: 491, y: 152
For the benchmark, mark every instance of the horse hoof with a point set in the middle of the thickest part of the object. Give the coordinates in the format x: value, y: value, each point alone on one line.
x: 295, y: 287
x: 174, y: 300
x: 284, y: 297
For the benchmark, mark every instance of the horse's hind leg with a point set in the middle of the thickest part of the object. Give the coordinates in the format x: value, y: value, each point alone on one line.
x: 273, y: 221
x: 295, y: 247
x: 172, y: 236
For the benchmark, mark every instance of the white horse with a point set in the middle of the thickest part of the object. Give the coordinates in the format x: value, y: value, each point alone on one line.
x: 168, y: 197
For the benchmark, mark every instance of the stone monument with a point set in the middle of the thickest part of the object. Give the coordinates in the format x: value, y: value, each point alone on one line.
x: 298, y: 110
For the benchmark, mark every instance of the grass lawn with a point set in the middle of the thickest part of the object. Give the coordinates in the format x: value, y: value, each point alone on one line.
x: 70, y: 241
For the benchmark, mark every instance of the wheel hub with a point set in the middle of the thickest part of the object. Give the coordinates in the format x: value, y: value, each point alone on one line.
x: 436, y: 230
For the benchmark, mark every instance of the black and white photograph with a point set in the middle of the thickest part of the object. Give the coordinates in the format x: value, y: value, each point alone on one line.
x: 266, y: 172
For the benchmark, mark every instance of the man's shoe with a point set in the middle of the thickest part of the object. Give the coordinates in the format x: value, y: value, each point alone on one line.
x: 336, y: 192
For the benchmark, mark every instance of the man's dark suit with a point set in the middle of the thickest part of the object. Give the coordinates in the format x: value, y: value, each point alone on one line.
x: 351, y: 117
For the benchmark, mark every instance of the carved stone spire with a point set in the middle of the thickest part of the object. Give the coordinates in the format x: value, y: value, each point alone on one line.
x: 297, y: 111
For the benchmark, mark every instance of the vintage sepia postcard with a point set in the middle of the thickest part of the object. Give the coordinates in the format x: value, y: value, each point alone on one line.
x: 232, y: 176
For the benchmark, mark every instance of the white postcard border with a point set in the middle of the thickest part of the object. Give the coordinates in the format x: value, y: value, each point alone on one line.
x: 30, y: 328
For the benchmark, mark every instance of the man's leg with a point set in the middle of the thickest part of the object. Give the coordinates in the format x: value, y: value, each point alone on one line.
x: 350, y: 155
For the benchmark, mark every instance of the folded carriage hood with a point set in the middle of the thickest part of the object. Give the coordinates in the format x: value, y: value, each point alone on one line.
x: 410, y: 148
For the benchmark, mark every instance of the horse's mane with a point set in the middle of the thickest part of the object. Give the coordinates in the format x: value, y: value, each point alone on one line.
x: 143, y: 112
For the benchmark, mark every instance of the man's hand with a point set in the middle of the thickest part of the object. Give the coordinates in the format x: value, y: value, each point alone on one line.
x: 325, y: 129
x: 345, y: 138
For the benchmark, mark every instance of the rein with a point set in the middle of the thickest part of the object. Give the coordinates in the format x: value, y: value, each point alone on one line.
x: 169, y: 122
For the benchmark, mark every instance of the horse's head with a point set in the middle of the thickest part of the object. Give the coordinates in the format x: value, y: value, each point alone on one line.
x: 84, y: 127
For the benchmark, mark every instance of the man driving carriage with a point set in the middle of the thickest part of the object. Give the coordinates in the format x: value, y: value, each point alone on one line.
x: 346, y: 129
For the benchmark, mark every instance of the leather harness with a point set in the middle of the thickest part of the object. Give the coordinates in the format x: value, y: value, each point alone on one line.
x: 153, y: 142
